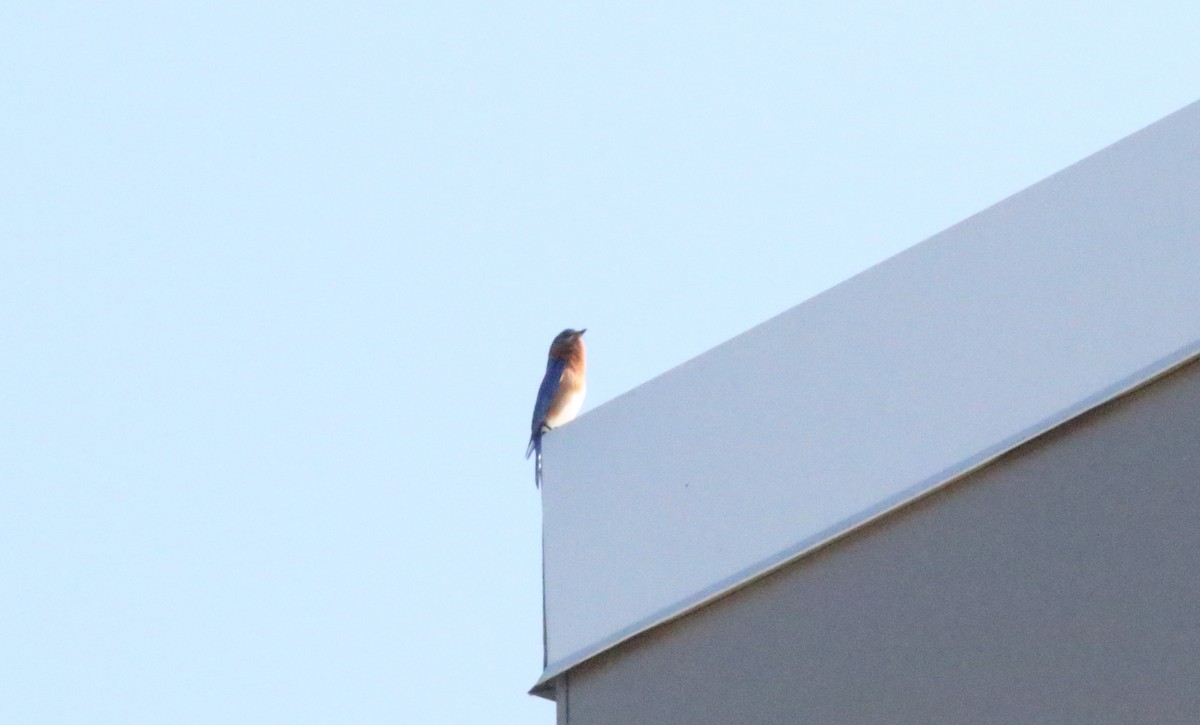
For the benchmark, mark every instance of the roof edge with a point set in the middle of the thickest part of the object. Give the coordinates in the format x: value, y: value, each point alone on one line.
x: 544, y: 687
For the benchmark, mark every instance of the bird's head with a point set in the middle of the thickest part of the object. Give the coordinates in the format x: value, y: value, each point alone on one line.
x: 567, y: 343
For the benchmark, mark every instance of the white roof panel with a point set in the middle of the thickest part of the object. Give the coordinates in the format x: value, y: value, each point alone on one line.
x: 875, y: 392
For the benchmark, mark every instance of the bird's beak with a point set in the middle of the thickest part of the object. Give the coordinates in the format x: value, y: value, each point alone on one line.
x: 582, y: 331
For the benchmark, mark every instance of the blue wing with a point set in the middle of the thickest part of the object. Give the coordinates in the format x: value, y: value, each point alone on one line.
x: 554, y: 371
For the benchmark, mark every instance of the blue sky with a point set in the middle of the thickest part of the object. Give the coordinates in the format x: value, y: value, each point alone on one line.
x: 277, y: 282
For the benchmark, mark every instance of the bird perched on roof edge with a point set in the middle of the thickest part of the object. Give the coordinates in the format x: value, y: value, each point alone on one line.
x: 561, y: 393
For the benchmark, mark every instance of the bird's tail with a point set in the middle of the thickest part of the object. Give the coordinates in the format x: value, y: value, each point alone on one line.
x: 535, y: 446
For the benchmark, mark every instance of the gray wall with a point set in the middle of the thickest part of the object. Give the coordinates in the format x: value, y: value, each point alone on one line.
x: 1059, y: 585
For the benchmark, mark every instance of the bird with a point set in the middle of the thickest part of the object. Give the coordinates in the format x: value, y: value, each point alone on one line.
x: 561, y: 393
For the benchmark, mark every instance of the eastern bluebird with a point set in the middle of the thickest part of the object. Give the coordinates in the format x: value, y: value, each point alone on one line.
x: 561, y: 394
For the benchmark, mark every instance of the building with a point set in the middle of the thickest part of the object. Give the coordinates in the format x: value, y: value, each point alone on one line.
x: 961, y: 487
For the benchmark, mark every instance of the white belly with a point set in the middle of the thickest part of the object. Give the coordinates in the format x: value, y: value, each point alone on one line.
x: 566, y: 413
